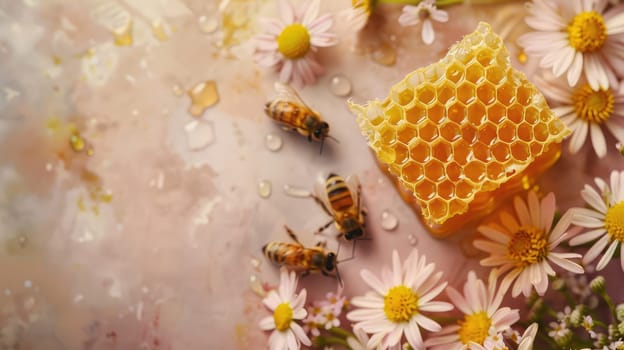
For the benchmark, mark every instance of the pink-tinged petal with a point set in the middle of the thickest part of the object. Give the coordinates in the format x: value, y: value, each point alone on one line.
x: 310, y: 12
x: 321, y: 24
x: 286, y: 72
x: 616, y: 183
x: 598, y: 141
x: 509, y: 221
x: 272, y: 27
x: 522, y: 211
x: 561, y: 227
x: 494, y: 235
x: 324, y: 40
x: 587, y: 236
x: 563, y: 111
x: 564, y: 62
x: 413, y: 335
x: 547, y: 211
x: 299, y: 314
x: 377, y: 326
x: 494, y: 261
x: 505, y: 317
x: 426, y: 323
x: 299, y: 300
x: 489, y: 246
x: 428, y: 34
x: 291, y: 341
x: 574, y: 73
x: 300, y: 334
x: 565, y: 264
x: 268, y: 59
x: 615, y: 24
x: 431, y: 294
x: 596, y: 249
x: 595, y: 72
x: 607, y: 256
x: 436, y: 306
x: 374, y: 282
x: 365, y: 314
x: 302, y: 67
x: 578, y: 137
x: 393, y: 337
x: 375, y: 340
x: 267, y: 323
x: 588, y: 213
x: 534, y: 209
x: 397, y: 271
x: 272, y: 300
x: 422, y: 275
x: 458, y: 300
x: 287, y: 12
x: 594, y: 199
x: 439, y: 16
x: 277, y: 340
x: 616, y: 129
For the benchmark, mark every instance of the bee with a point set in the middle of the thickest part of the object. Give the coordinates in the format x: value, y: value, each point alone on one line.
x: 301, y: 259
x: 289, y: 110
x: 341, y: 200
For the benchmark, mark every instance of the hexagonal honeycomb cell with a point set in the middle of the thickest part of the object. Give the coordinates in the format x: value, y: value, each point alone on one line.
x: 473, y: 132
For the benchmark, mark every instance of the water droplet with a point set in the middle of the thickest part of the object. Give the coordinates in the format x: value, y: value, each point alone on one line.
x: 264, y: 188
x: 340, y: 85
x: 255, y: 263
x: 199, y: 134
x: 28, y: 284
x: 161, y: 30
x: 256, y: 286
x: 123, y: 34
x: 522, y: 57
x: 389, y: 222
x: 296, y: 192
x: 412, y: 239
x: 273, y: 142
x: 385, y: 54
x: 203, y: 95
x: 177, y: 90
x: 76, y: 142
x: 22, y: 240
x: 208, y: 24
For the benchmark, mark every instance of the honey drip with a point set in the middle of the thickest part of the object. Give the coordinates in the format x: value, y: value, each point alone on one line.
x: 203, y: 95
x: 123, y: 35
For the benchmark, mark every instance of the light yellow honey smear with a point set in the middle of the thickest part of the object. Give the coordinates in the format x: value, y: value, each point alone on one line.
x: 462, y: 135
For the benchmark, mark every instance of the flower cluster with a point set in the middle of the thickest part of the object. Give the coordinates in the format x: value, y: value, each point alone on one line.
x: 584, y: 40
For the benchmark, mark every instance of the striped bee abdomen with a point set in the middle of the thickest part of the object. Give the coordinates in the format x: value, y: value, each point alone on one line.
x: 338, y: 193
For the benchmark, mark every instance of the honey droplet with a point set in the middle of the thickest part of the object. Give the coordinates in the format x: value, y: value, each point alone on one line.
x: 389, y: 222
x: 208, y: 24
x: 255, y: 263
x: 340, y: 85
x: 123, y: 35
x: 77, y: 143
x: 296, y: 192
x: 273, y: 142
x: 203, y: 95
x: 177, y: 90
x: 385, y: 54
x: 161, y: 30
x: 199, y: 134
x: 90, y: 151
x: 264, y: 188
x: 522, y: 57
x: 256, y: 286
x: 412, y: 239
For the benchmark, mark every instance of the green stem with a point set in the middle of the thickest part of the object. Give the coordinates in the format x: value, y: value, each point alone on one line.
x: 336, y: 341
x: 339, y: 332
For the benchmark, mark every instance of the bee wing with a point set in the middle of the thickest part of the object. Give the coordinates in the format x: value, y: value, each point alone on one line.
x: 286, y: 93
x: 354, y: 184
x: 321, y: 192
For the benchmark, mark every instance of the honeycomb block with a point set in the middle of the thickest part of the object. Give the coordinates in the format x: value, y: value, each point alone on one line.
x: 463, y: 134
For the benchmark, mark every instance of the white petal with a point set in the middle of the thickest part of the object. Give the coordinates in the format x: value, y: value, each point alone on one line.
x: 574, y: 73
x: 594, y: 199
x: 427, y: 323
x: 428, y: 34
x: 373, y: 282
x: 565, y: 264
x: 598, y: 140
x: 595, y: 72
x: 607, y: 256
x: 596, y: 249
x: 287, y: 12
x: 310, y: 12
x: 587, y: 236
x: 267, y: 323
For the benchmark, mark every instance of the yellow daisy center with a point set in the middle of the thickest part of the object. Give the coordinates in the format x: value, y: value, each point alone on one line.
x: 593, y: 106
x: 366, y: 5
x: 282, y: 316
x: 614, y: 221
x: 400, y: 304
x: 294, y: 41
x: 474, y: 327
x: 527, y: 246
x: 587, y: 32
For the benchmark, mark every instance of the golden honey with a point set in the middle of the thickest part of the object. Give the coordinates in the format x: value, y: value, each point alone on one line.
x: 462, y: 135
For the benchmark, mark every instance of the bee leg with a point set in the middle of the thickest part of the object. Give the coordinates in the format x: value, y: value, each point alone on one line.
x: 292, y: 235
x: 320, y: 203
x: 322, y: 228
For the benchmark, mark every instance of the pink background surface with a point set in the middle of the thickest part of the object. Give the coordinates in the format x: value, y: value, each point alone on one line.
x: 166, y: 263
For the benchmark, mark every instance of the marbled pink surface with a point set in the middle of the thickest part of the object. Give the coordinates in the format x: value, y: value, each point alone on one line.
x: 166, y: 263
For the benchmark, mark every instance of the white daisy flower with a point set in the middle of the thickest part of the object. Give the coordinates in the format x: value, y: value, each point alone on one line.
x: 286, y: 307
x: 587, y: 112
x: 523, y: 245
x: 576, y: 36
x: 484, y: 318
x: 289, y: 43
x: 605, y: 219
x: 398, y: 302
x: 358, y: 14
x: 424, y: 12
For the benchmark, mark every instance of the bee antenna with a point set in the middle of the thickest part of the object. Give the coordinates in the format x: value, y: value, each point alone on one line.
x: 322, y: 143
x: 340, y: 282
x: 333, y: 138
